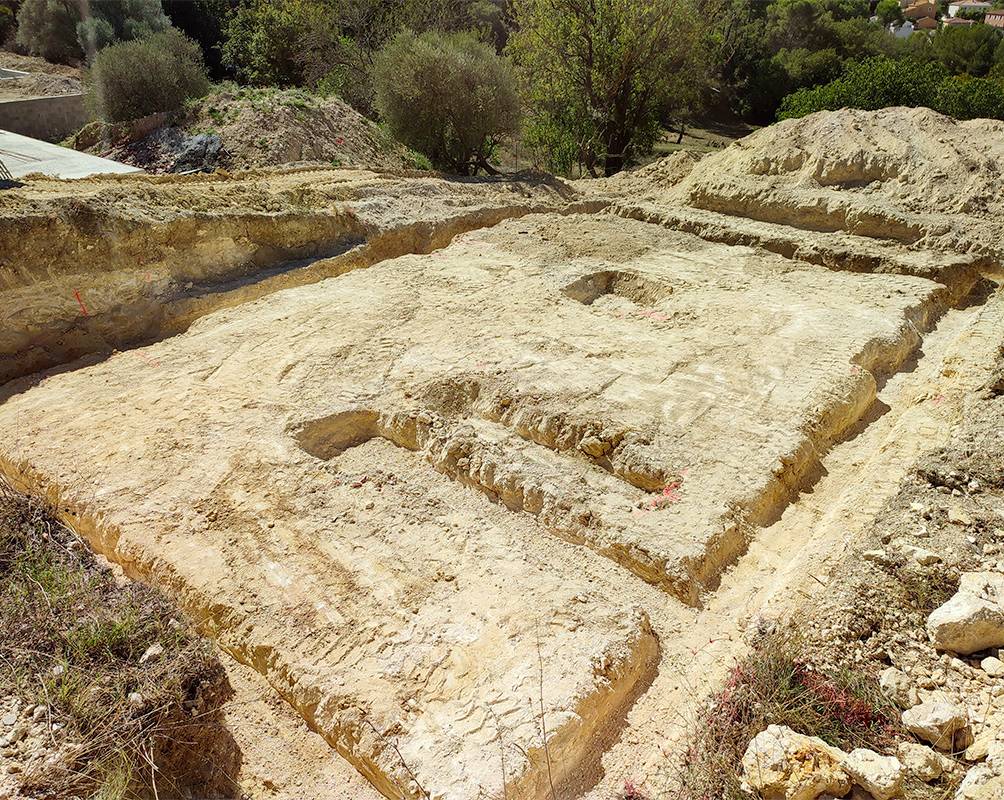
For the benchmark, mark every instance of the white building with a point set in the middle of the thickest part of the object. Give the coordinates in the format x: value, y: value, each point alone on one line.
x: 968, y: 5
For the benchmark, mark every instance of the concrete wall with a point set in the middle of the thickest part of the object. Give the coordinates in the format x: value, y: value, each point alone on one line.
x: 51, y: 119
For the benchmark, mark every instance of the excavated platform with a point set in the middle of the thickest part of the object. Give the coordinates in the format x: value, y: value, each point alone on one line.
x: 411, y: 496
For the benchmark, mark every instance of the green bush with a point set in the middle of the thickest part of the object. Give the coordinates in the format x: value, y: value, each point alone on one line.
x: 264, y: 40
x: 447, y: 95
x: 881, y: 82
x: 871, y: 84
x: 158, y: 73
x: 963, y: 97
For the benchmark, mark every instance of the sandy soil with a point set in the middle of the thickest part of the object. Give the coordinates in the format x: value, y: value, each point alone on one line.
x: 44, y: 79
x: 494, y: 510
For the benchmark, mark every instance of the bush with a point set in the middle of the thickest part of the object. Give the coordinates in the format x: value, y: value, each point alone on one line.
x: 263, y: 40
x: 158, y: 73
x: 48, y: 28
x: 447, y: 95
x: 871, y: 84
x: 971, y: 98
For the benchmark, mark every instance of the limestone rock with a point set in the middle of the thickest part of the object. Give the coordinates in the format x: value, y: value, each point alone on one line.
x: 153, y: 652
x: 782, y: 764
x: 993, y: 666
x: 973, y: 619
x: 896, y: 685
x: 981, y: 783
x: 937, y: 721
x: 880, y: 776
x: 920, y: 555
x: 920, y: 760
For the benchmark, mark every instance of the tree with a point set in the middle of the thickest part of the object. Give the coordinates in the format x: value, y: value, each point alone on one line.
x: 447, y: 95
x: 263, y: 39
x: 889, y: 12
x: 203, y: 21
x: 871, y: 84
x: 963, y: 97
x: 970, y: 50
x: 599, y: 74
x: 48, y: 28
x: 110, y: 21
x: 132, y: 79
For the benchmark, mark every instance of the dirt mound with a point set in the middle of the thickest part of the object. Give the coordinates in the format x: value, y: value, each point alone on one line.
x: 43, y: 79
x: 905, y: 174
x: 251, y: 128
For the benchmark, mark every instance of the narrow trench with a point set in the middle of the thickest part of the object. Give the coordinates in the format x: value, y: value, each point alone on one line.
x: 147, y: 318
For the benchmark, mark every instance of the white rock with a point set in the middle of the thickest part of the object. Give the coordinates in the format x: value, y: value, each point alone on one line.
x: 920, y: 555
x: 135, y: 699
x: 937, y: 721
x: 973, y: 619
x: 40, y: 713
x: 974, y: 785
x: 921, y: 760
x: 880, y: 776
x: 781, y: 764
x: 153, y: 652
x: 897, y: 686
x: 993, y: 666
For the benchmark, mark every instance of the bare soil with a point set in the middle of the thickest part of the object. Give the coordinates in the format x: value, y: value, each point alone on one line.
x: 491, y: 481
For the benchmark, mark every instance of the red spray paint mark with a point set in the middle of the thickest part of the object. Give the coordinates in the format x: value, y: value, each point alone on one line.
x: 76, y: 293
x: 153, y: 362
x: 939, y: 399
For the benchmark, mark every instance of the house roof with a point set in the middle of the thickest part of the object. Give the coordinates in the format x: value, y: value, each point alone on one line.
x: 972, y: 4
x: 957, y: 21
x: 926, y: 22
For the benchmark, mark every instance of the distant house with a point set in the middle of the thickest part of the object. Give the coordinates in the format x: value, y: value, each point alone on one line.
x: 926, y: 24
x: 995, y: 18
x: 918, y: 10
x: 968, y: 5
x: 904, y: 31
x: 953, y: 21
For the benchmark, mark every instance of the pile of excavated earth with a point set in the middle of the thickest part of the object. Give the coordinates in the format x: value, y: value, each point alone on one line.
x: 489, y: 483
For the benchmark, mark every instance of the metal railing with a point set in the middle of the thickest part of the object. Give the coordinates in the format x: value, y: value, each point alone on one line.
x: 5, y: 173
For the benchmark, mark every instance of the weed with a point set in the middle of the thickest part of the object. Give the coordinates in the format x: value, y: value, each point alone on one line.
x: 774, y: 686
x: 73, y: 641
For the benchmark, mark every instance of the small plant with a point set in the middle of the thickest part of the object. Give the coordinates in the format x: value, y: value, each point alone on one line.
x: 74, y: 640
x: 775, y: 686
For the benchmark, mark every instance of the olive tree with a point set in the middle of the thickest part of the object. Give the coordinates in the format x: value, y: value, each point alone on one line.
x: 449, y: 96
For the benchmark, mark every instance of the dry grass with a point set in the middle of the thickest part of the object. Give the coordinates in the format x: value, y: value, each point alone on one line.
x: 72, y: 639
x: 773, y: 686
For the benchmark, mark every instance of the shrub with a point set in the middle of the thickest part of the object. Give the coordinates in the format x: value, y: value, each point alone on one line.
x: 263, y: 40
x: 447, y: 95
x: 133, y: 79
x: 963, y: 97
x: 774, y: 685
x: 120, y: 20
x: 48, y: 28
x: 871, y: 84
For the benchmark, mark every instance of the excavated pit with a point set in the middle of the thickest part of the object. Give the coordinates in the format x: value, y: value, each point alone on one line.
x: 469, y: 510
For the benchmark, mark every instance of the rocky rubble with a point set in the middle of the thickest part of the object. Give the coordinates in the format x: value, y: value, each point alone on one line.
x: 929, y: 625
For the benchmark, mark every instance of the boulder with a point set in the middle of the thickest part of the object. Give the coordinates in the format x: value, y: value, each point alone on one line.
x: 939, y: 722
x: 973, y: 619
x: 921, y: 761
x: 980, y: 783
x: 780, y: 764
x: 880, y: 776
x: 993, y: 666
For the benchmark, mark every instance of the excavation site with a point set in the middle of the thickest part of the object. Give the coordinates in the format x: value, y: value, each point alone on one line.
x: 514, y: 488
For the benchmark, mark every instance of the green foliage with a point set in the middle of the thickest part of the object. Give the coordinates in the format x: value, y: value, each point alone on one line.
x: 203, y: 21
x: 599, y: 77
x: 889, y: 12
x: 158, y: 73
x: 48, y: 28
x: 55, y: 29
x: 263, y: 39
x: 881, y: 82
x: 971, y: 50
x: 119, y: 20
x: 963, y: 97
x: 447, y: 95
